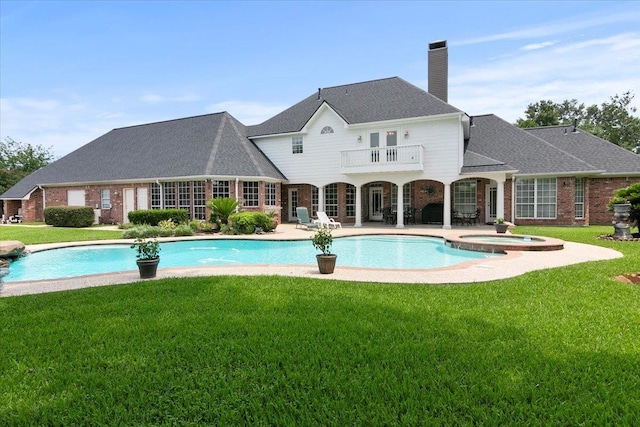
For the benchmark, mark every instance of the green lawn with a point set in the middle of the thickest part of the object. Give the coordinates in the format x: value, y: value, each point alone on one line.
x: 38, y: 235
x: 552, y: 347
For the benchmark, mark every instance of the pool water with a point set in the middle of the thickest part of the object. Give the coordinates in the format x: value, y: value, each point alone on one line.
x: 391, y: 252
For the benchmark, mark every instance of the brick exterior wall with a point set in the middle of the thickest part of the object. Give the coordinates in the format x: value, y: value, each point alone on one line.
x: 598, y: 192
x: 33, y: 210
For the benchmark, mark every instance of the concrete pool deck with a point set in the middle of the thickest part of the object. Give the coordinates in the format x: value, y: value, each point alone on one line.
x: 513, y: 264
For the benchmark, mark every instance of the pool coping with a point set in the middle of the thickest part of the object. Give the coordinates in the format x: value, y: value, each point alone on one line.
x: 514, y: 263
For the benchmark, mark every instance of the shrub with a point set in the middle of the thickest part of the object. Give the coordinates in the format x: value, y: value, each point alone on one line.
x: 247, y: 222
x: 154, y: 216
x: 222, y: 208
x: 69, y: 216
x: 182, y: 230
x: 168, y: 224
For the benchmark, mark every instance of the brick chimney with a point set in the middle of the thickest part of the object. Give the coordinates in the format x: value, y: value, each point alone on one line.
x: 439, y: 70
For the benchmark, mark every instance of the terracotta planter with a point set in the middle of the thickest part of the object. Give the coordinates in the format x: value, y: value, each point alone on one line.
x: 326, y: 263
x: 501, y: 228
x: 148, y: 267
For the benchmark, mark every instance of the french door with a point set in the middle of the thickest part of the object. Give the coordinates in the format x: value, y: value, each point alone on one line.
x: 376, y: 203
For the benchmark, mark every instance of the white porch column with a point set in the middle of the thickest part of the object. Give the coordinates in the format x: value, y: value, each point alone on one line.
x: 358, y: 206
x: 446, y: 215
x: 500, y: 199
x: 321, y: 198
x: 400, y: 219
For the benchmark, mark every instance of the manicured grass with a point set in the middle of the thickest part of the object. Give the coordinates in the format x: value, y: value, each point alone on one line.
x: 38, y: 235
x: 552, y: 347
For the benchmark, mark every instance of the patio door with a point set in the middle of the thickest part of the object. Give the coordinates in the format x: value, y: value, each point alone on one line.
x: 128, y: 204
x: 491, y: 197
x: 376, y: 203
x: 293, y: 204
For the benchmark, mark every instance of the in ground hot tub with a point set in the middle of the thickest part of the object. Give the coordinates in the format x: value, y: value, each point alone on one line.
x: 501, y: 243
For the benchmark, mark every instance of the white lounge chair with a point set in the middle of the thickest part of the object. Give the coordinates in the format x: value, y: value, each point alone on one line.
x: 327, y: 222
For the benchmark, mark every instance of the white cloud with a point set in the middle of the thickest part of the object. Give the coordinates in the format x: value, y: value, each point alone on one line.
x: 64, y: 124
x: 536, y: 46
x: 248, y: 112
x: 563, y: 26
x: 590, y: 71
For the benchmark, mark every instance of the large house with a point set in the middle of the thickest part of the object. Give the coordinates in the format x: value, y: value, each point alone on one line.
x: 382, y: 150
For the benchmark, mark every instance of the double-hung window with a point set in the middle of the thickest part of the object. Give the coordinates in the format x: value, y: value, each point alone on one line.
x: 220, y: 189
x: 169, y: 195
x: 536, y: 198
x: 351, y: 200
x: 331, y: 199
x: 296, y: 145
x: 105, y: 197
x: 270, y: 193
x: 464, y: 196
x: 579, y: 199
x: 156, y: 196
x: 199, y: 203
x: 250, y: 194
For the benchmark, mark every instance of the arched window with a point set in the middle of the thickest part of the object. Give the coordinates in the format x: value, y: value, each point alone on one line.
x: 327, y: 129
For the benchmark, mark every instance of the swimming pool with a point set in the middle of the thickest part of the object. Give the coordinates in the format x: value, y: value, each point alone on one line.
x: 390, y: 252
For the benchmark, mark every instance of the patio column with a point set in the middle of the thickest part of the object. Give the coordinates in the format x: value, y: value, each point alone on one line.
x: 358, y: 206
x: 400, y: 219
x: 446, y: 215
x: 320, y: 199
x: 500, y: 198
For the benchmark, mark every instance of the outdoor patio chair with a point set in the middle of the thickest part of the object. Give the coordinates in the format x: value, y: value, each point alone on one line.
x: 303, y: 218
x: 327, y: 222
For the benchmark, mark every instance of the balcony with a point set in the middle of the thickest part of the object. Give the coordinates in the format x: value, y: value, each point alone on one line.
x: 401, y: 158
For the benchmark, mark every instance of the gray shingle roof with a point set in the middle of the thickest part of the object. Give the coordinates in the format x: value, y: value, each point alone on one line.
x: 208, y: 145
x: 502, y: 142
x: 602, y: 154
x: 372, y: 101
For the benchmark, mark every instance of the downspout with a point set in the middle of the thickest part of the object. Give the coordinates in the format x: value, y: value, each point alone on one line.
x: 237, y: 198
x: 513, y: 201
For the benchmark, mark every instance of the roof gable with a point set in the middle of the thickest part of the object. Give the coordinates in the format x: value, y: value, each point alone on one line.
x: 366, y: 102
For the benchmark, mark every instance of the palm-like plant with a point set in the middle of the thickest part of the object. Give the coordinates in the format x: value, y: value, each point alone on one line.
x: 222, y: 208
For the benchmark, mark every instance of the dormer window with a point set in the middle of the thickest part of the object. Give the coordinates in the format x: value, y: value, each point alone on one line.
x: 326, y: 129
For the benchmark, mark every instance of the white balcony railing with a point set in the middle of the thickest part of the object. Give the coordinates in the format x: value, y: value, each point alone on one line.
x: 400, y: 158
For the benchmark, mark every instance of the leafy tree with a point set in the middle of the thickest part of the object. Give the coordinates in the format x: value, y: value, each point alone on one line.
x: 613, y: 120
x: 18, y: 160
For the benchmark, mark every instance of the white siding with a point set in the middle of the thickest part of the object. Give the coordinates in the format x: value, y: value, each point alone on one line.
x: 319, y: 164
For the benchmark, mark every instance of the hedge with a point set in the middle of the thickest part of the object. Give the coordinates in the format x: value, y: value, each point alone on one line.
x: 247, y: 222
x: 154, y: 216
x: 69, y: 216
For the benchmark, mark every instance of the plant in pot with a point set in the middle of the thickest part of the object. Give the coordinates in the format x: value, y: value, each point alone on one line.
x: 147, y: 257
x: 322, y: 240
x: 501, y: 226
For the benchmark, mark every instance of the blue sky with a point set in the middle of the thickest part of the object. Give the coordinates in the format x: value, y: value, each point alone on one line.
x: 71, y: 71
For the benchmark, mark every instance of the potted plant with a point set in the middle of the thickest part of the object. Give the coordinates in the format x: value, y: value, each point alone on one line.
x: 322, y: 240
x: 501, y: 226
x: 147, y: 257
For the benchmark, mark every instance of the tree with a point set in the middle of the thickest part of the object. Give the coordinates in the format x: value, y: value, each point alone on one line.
x: 18, y: 160
x: 612, y: 120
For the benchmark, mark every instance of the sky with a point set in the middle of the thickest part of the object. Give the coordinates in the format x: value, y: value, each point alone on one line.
x: 71, y: 71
